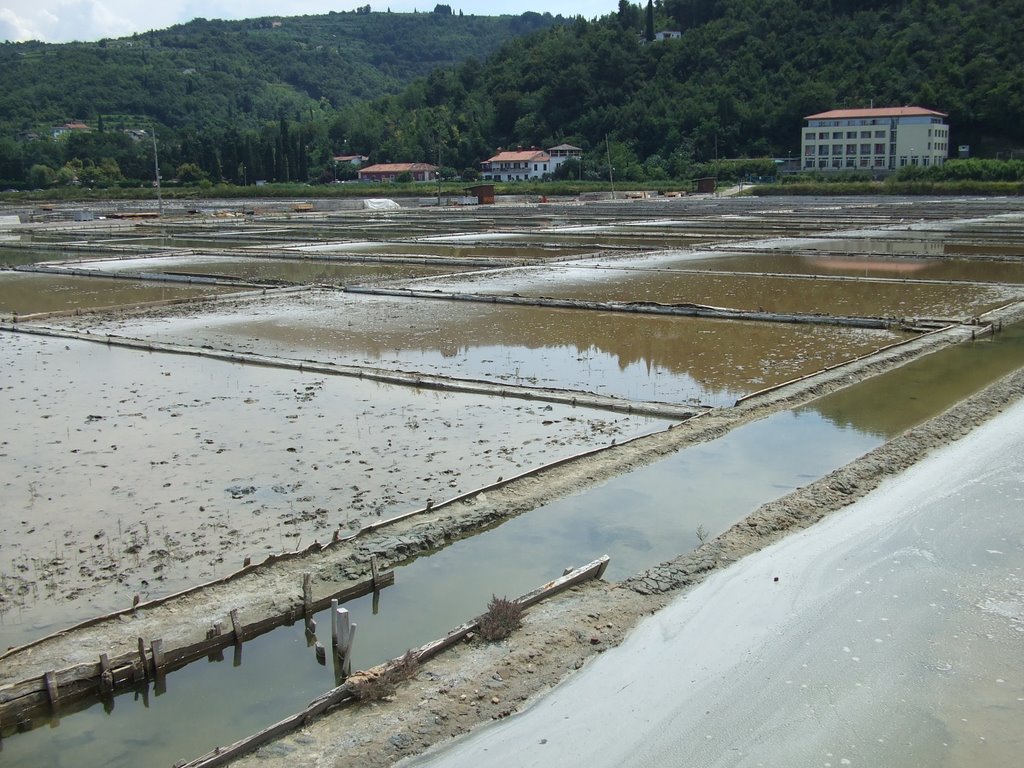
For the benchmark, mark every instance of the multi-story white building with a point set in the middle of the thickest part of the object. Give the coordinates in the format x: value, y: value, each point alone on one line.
x: 876, y: 140
x: 523, y: 164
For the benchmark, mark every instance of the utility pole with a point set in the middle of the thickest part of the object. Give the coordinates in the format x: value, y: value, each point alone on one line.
x: 156, y: 172
x: 608, y: 150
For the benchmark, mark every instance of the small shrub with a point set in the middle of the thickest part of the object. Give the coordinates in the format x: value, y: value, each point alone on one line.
x: 378, y: 686
x: 502, y: 618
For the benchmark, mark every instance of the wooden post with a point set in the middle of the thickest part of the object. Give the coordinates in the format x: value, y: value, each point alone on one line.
x: 334, y: 622
x: 142, y: 659
x: 307, y: 594
x: 106, y: 675
x: 51, y: 690
x: 236, y: 625
x: 345, y: 635
x: 215, y: 631
x: 157, y: 648
x: 376, y: 572
x: 321, y: 654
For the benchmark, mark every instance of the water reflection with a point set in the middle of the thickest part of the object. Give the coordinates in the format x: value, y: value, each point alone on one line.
x: 652, y: 358
x: 891, y: 403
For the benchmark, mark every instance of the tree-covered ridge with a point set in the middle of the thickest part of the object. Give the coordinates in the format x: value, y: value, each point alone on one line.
x: 207, y: 75
x: 736, y: 83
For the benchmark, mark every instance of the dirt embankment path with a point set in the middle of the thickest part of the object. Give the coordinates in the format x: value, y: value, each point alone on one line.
x: 478, y: 682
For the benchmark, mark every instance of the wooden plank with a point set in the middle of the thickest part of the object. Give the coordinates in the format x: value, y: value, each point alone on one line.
x: 585, y: 573
x: 307, y: 594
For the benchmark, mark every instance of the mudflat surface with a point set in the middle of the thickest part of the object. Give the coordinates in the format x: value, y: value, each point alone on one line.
x: 141, y: 474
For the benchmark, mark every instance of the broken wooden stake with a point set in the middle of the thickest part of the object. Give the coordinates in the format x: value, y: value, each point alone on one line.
x: 307, y: 594
x: 376, y: 572
x: 157, y: 649
x: 236, y: 625
x: 142, y: 659
x: 51, y: 690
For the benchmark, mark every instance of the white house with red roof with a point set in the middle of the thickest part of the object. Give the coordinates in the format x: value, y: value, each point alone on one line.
x: 523, y: 164
x: 877, y: 140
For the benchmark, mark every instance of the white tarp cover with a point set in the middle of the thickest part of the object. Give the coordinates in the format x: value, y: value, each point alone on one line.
x: 9, y: 222
x: 380, y: 204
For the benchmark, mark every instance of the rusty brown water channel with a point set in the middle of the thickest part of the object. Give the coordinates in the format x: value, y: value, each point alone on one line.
x: 771, y: 293
x: 714, y: 483
x: 632, y: 357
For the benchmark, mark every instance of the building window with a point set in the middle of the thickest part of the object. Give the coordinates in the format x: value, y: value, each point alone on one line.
x: 809, y: 136
x: 823, y: 149
x: 903, y: 161
x: 879, y: 162
x: 823, y: 163
x: 809, y: 163
x: 823, y: 136
x: 837, y: 134
x: 865, y: 134
x: 864, y: 162
x: 809, y: 150
x: 837, y: 162
x: 865, y: 149
x: 879, y: 149
x: 851, y: 134
x: 851, y: 149
x: 925, y: 160
x: 879, y: 134
x: 850, y: 162
x: 837, y: 149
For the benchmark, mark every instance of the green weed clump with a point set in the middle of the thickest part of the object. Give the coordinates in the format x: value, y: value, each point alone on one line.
x: 503, y: 617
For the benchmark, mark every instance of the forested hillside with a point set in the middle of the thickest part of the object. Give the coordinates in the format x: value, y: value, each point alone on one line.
x: 735, y: 83
x: 209, y: 75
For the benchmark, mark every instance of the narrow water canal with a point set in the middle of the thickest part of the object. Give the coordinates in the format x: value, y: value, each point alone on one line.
x: 640, y: 519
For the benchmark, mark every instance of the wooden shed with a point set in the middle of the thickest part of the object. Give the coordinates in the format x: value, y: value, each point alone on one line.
x: 484, y: 193
x: 707, y: 185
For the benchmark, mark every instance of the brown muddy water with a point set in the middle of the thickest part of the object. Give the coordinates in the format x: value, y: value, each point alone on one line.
x: 293, y: 271
x: 24, y: 293
x: 525, y: 252
x: 631, y: 357
x: 771, y: 293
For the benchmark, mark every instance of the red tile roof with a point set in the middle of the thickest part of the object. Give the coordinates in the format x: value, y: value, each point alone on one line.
x: 847, y: 114
x: 520, y: 156
x: 398, y: 168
